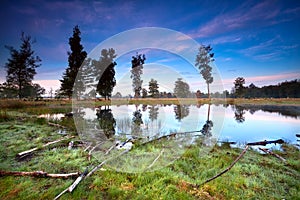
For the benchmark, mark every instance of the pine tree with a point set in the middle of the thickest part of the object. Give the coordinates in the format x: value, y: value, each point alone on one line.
x: 136, y: 72
x: 106, y: 66
x: 203, y: 60
x: 76, y: 57
x: 21, y: 66
x: 153, y: 88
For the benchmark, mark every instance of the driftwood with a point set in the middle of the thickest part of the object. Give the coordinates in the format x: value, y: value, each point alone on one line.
x: 265, y: 142
x: 25, y: 153
x: 40, y: 174
x: 273, y: 154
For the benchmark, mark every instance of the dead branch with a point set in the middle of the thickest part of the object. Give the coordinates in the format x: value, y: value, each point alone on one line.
x: 155, y: 159
x: 72, y: 187
x: 25, y: 153
x: 40, y: 174
x: 273, y: 154
x: 228, y: 168
x: 56, y: 125
x: 105, y: 161
x: 169, y: 136
x: 265, y: 142
x: 85, y: 175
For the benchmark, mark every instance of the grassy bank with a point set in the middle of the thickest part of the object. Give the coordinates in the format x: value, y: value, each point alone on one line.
x: 255, y: 176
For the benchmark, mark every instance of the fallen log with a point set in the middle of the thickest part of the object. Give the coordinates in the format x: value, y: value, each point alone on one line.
x: 273, y: 154
x: 40, y: 174
x: 265, y: 142
x: 25, y: 153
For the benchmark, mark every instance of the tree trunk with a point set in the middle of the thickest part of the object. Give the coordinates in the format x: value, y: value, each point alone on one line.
x: 208, y: 91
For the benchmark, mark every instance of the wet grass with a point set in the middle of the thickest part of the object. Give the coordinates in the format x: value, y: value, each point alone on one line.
x: 255, y: 176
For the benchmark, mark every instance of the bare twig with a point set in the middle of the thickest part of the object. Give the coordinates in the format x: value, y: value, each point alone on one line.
x: 273, y: 154
x: 228, y: 168
x: 155, y: 159
x: 105, y: 161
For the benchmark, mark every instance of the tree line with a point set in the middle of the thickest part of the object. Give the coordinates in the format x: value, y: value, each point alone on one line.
x: 287, y: 89
x: 97, y: 76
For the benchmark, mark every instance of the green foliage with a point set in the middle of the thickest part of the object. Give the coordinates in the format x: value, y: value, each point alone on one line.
x: 76, y: 57
x: 182, y: 89
x: 287, y: 89
x: 21, y: 66
x: 203, y: 60
x: 153, y: 88
x: 105, y: 66
x: 239, y: 88
x: 136, y: 72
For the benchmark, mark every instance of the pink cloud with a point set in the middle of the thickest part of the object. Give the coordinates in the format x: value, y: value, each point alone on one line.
x: 48, y: 84
x: 264, y: 80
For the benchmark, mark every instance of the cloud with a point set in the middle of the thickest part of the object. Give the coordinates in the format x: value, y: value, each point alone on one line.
x: 263, y: 13
x: 270, y: 50
x: 264, y: 80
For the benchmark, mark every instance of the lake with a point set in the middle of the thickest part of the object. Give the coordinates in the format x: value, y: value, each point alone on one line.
x: 240, y: 124
x: 162, y: 133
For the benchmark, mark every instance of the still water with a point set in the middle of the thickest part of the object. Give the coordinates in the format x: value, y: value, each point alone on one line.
x: 240, y: 124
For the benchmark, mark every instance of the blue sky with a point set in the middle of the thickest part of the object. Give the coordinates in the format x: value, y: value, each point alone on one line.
x: 258, y: 40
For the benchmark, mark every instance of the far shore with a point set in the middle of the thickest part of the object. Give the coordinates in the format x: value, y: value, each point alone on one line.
x: 15, y: 103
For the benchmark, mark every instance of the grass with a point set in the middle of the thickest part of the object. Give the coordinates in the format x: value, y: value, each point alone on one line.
x: 255, y: 176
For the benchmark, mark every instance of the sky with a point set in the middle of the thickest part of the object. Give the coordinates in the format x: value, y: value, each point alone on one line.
x: 257, y: 40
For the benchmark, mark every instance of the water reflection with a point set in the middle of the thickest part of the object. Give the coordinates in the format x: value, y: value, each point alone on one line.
x: 239, y: 114
x: 107, y: 122
x: 153, y: 112
x: 287, y: 111
x: 154, y: 121
x: 181, y: 111
x: 137, y: 122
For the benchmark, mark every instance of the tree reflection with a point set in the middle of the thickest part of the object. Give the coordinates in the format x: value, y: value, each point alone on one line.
x: 137, y: 121
x: 181, y: 111
x: 153, y: 112
x: 207, y: 127
x: 107, y: 122
x: 239, y: 114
